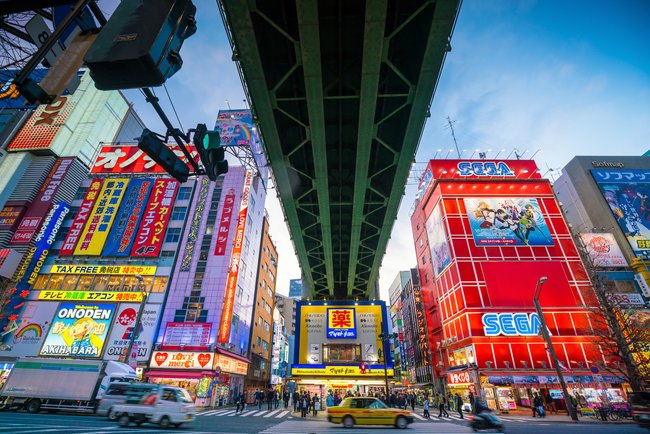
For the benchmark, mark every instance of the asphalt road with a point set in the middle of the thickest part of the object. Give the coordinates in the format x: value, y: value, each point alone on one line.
x: 278, y: 423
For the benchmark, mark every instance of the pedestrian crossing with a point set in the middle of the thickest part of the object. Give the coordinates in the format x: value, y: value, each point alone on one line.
x: 254, y: 412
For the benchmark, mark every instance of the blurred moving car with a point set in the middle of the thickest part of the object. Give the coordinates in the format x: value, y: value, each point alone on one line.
x: 640, y: 406
x: 367, y: 411
x: 165, y: 405
x: 122, y: 393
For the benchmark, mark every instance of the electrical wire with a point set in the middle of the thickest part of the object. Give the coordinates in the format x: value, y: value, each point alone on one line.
x: 173, y: 108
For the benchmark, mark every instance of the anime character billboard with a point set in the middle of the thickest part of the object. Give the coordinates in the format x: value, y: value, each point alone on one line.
x: 507, y: 221
x: 626, y: 193
x: 78, y: 330
x: 437, y: 235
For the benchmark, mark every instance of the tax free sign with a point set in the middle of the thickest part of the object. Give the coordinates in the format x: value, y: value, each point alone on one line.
x: 511, y: 324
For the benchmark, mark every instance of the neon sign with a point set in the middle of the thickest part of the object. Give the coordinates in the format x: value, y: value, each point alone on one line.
x: 511, y: 324
x: 484, y: 168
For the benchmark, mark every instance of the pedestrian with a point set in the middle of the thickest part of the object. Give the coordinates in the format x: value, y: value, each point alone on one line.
x: 426, y: 407
x: 441, y: 406
x: 450, y: 401
x: 459, y: 405
x: 330, y: 400
x: 393, y: 400
x: 269, y: 399
x: 412, y: 399
x: 315, y: 405
x: 472, y: 402
x: 241, y: 403
x: 537, y: 403
x: 296, y: 399
x: 285, y: 398
x: 276, y: 399
x: 259, y: 398
x: 304, y: 405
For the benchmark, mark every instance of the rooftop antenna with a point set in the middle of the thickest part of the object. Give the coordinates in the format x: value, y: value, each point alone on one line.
x: 453, y: 135
x: 228, y: 103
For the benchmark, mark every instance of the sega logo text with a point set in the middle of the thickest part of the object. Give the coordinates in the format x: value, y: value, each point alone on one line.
x: 484, y: 168
x: 511, y: 324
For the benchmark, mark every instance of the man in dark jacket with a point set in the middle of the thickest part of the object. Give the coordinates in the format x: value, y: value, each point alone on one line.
x: 269, y: 398
x: 537, y: 402
x: 459, y: 404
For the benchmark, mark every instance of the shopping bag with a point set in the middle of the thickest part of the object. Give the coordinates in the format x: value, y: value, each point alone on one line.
x: 541, y: 411
x: 317, y: 406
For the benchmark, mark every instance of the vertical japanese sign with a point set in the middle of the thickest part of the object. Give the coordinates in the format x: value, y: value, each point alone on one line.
x: 224, y: 226
x: 81, y: 218
x: 122, y: 234
x: 233, y: 272
x: 32, y: 264
x: 149, y: 238
x: 33, y: 217
x: 100, y: 220
x: 194, y: 227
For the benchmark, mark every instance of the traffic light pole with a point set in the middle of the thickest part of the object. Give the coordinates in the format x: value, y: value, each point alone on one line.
x: 175, y: 133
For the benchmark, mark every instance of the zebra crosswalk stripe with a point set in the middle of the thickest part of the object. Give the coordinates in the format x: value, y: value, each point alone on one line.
x: 417, y: 416
x: 284, y: 413
x: 228, y: 413
x: 272, y: 413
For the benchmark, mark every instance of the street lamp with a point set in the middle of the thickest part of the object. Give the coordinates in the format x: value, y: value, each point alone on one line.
x: 547, y: 337
x: 135, y: 333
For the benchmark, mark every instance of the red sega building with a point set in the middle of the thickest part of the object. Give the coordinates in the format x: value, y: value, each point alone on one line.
x: 485, y: 232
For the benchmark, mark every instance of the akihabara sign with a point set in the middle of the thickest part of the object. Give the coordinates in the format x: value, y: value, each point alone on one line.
x: 341, y: 323
x: 233, y: 273
x: 181, y: 360
x: 124, y: 159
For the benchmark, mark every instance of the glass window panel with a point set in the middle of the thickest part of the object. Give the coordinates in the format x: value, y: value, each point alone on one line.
x: 130, y: 283
x: 41, y: 281
x: 55, y: 281
x: 85, y: 283
x: 100, y: 283
x: 160, y: 284
x: 114, y: 283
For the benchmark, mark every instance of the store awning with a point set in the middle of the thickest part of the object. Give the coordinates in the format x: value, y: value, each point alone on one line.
x: 233, y: 355
x: 168, y: 373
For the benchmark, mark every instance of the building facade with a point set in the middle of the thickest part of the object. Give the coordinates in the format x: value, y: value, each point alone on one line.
x: 486, y: 233
x: 397, y: 326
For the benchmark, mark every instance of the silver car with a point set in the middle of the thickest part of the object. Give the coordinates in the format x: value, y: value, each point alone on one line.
x: 122, y: 393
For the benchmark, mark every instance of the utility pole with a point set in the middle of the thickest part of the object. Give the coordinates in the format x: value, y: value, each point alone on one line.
x: 453, y: 135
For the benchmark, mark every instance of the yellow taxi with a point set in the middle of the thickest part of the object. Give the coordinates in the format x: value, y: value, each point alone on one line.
x: 367, y: 411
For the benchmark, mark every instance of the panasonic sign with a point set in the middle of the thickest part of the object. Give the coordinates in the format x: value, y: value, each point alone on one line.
x: 511, y: 324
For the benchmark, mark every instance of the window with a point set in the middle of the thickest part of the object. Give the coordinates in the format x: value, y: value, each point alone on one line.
x: 424, y: 260
x: 81, y: 193
x: 265, y: 345
x: 272, y: 277
x: 267, y: 326
x: 259, y: 341
x: 173, y: 235
x: 159, y: 284
x: 69, y: 283
x: 341, y: 353
x: 184, y: 193
x: 262, y: 364
x: 269, y: 292
x: 267, y: 307
x: 178, y: 213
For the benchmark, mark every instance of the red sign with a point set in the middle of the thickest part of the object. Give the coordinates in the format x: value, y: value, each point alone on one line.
x: 192, y: 334
x: 484, y: 169
x: 131, y: 159
x: 81, y: 218
x: 462, y: 377
x: 42, y: 126
x: 31, y: 222
x: 10, y: 216
x: 181, y: 360
x: 149, y: 238
x: 233, y: 273
x: 224, y: 226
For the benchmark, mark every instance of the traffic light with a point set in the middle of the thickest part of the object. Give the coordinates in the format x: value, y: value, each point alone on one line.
x: 161, y: 154
x: 208, y: 144
x: 140, y: 44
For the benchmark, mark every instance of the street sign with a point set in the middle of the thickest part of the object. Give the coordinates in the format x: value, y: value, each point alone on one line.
x: 133, y: 357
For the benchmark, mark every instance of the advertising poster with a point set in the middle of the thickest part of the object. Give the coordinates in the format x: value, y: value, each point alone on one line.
x: 10, y: 97
x: 122, y: 330
x: 187, y: 334
x: 43, y: 125
x: 130, y: 159
x: 151, y: 232
x: 31, y: 329
x: 33, y: 217
x: 233, y: 272
x: 181, y: 360
x: 236, y: 128
x: 603, y: 250
x: 508, y: 221
x: 193, y: 233
x: 122, y: 234
x: 78, y: 330
x: 81, y: 218
x: 626, y: 193
x: 437, y: 235
x: 101, y: 218
x: 224, y: 225
x: 10, y: 215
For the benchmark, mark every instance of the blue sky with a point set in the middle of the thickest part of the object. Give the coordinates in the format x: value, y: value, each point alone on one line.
x: 563, y: 77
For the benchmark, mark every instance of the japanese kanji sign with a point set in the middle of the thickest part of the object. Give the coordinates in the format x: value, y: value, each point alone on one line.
x: 101, y: 218
x: 151, y: 233
x: 91, y: 296
x: 131, y: 159
x: 81, y: 218
x: 224, y: 226
x: 341, y: 323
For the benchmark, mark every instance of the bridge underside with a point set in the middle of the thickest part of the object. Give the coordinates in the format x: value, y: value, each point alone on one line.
x: 340, y: 90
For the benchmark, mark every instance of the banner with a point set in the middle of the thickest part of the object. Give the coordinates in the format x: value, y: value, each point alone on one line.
x: 233, y: 273
x: 42, y: 126
x: 81, y: 218
x: 342, y: 371
x: 123, y: 159
x: 626, y: 193
x: 10, y: 216
x: 224, y: 225
x: 181, y: 360
x: 192, y: 235
x: 122, y: 331
x: 78, y: 330
x: 122, y: 234
x: 150, y: 235
x: 33, y: 217
x: 508, y: 221
x: 90, y: 296
x: 603, y: 250
x: 437, y: 236
x: 31, y: 329
x: 187, y: 333
x: 143, y: 270
x: 101, y: 218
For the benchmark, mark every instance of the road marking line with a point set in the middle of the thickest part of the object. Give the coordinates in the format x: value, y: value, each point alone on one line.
x: 284, y: 413
x: 228, y: 413
x: 258, y: 413
x: 272, y: 413
x: 417, y: 416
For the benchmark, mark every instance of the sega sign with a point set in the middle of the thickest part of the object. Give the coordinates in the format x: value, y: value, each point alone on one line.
x: 484, y: 168
x: 511, y: 324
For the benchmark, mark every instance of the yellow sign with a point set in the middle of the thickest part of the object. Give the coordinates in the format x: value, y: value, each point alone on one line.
x: 101, y: 218
x: 104, y: 269
x: 341, y: 371
x: 91, y: 296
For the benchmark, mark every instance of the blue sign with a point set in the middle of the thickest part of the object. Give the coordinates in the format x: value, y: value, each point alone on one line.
x: 127, y: 220
x: 484, y: 168
x: 511, y: 324
x: 341, y: 323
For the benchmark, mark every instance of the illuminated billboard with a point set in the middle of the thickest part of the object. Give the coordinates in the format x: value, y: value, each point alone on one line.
x: 224, y: 225
x: 437, y: 236
x: 78, y: 330
x: 150, y: 235
x: 122, y: 331
x: 627, y: 193
x: 81, y: 218
x: 43, y: 125
x: 236, y: 128
x: 507, y: 221
x: 341, y: 323
x: 233, y: 270
x: 101, y: 218
x: 603, y: 250
x: 123, y: 159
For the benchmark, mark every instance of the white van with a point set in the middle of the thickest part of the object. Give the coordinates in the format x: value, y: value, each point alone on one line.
x: 166, y: 406
x: 122, y: 393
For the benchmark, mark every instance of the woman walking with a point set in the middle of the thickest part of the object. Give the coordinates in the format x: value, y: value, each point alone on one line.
x: 426, y: 407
